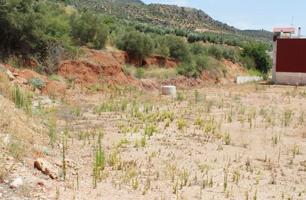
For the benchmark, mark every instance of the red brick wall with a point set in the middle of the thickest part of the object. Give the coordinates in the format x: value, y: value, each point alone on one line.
x: 291, y: 55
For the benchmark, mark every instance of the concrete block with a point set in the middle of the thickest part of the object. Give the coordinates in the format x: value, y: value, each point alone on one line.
x: 169, y: 90
x: 247, y: 79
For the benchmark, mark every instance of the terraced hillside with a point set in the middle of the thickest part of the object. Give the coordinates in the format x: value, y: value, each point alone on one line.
x: 168, y: 15
x: 164, y: 15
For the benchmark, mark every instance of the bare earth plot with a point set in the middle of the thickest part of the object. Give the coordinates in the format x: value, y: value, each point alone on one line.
x: 218, y: 142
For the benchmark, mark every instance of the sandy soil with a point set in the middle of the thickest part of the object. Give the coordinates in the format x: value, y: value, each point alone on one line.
x: 219, y: 142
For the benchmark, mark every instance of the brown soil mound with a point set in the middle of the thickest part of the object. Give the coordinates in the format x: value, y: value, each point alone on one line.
x: 54, y: 88
x: 232, y: 71
x: 120, y: 56
x: 29, y: 74
x: 79, y: 71
x: 160, y: 61
x: 96, y: 67
x: 234, y: 68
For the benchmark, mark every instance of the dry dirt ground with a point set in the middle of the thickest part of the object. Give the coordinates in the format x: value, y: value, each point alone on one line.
x: 217, y: 142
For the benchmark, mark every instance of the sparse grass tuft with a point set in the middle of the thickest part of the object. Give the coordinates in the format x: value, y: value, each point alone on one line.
x: 16, y: 149
x: 98, y: 164
x: 22, y: 99
x: 227, y: 138
x: 181, y: 124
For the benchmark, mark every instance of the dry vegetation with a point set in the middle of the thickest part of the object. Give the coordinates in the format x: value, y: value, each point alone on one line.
x: 228, y: 142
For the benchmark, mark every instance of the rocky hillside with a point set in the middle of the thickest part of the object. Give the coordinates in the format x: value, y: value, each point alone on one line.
x: 159, y: 14
x: 164, y: 15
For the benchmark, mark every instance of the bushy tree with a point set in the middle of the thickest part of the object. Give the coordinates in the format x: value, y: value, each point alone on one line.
x: 88, y: 29
x: 194, y: 67
x: 197, y: 49
x: 137, y: 45
x: 230, y: 54
x: 216, y: 52
x: 17, y: 34
x: 178, y: 47
x: 161, y: 47
x: 29, y: 27
x: 258, y: 52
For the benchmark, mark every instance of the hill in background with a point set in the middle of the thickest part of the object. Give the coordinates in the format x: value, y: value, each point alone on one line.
x: 165, y: 15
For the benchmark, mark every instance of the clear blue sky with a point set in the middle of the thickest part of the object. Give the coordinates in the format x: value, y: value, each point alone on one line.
x: 250, y: 14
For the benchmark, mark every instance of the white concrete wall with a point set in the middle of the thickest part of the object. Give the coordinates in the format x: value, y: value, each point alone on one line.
x: 169, y: 90
x: 290, y: 78
x: 247, y: 79
x: 274, y: 62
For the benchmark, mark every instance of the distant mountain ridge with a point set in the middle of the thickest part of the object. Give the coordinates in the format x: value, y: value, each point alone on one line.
x: 128, y: 1
x: 164, y: 15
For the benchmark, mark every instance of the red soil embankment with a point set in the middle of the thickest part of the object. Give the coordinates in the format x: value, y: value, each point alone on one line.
x: 96, y: 67
x: 160, y: 61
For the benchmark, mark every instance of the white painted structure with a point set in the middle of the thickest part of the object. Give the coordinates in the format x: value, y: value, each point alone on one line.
x: 169, y: 90
x: 247, y: 79
x: 287, y: 78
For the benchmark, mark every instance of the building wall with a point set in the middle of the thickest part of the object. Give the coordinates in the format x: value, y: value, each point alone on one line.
x: 289, y: 64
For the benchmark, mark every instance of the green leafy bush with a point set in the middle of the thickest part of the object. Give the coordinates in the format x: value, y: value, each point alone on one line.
x: 37, y: 83
x: 216, y: 52
x: 258, y: 52
x: 22, y: 99
x: 161, y: 47
x: 178, y: 47
x: 248, y: 62
x: 29, y: 26
x: 138, y: 45
x: 194, y: 67
x: 197, y: 49
x: 140, y: 73
x: 88, y: 29
x: 230, y: 54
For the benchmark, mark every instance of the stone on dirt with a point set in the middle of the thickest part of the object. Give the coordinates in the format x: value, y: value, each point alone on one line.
x: 46, y: 168
x: 169, y: 90
x: 16, y: 183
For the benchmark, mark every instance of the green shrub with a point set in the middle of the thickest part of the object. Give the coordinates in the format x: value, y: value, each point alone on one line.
x: 22, y: 99
x: 194, y: 67
x: 216, y: 52
x: 187, y: 69
x: 197, y: 49
x: 140, y: 73
x: 178, y: 47
x: 137, y: 45
x: 30, y: 26
x: 37, y: 83
x: 201, y: 62
x: 88, y: 29
x: 161, y: 47
x: 55, y: 77
x: 258, y: 52
x: 230, y: 54
x: 248, y: 62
